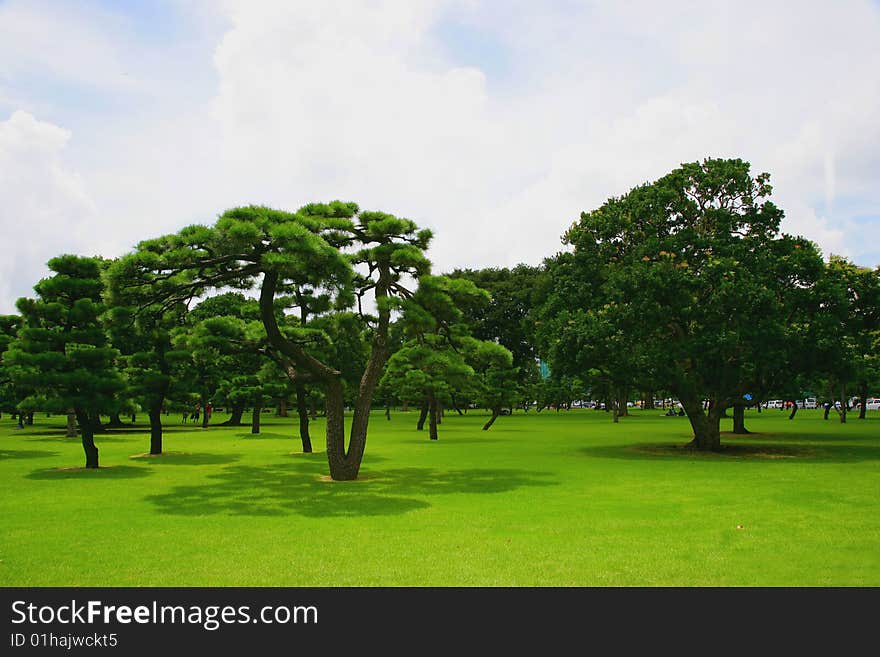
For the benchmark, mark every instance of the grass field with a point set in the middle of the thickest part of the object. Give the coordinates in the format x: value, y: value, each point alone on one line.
x: 556, y: 499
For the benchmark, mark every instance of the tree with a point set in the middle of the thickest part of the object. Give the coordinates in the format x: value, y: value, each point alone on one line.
x: 152, y: 364
x: 62, y: 351
x: 426, y: 371
x: 692, y: 271
x: 333, y: 248
x: 844, y: 332
x: 495, y: 376
x: 9, y: 325
x: 235, y: 360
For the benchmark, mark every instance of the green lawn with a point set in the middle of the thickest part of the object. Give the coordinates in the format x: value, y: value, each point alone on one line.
x: 556, y: 499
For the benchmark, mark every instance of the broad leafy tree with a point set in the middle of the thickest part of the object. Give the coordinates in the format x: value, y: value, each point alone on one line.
x: 692, y: 271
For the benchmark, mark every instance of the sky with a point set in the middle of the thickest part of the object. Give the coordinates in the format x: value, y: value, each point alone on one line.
x: 494, y: 123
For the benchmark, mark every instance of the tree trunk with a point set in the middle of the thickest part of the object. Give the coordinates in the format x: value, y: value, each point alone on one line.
x: 739, y: 419
x: 155, y: 413
x: 282, y: 407
x: 87, y: 431
x: 71, y: 424
x: 30, y: 418
x: 341, y: 468
x: 115, y: 420
x: 388, y: 411
x: 235, y: 417
x: 21, y: 420
x: 863, y: 399
x: 649, y: 401
x: 615, y: 413
x: 205, y: 417
x: 432, y: 416
x: 303, y: 411
x: 455, y: 406
x: 622, y: 408
x: 423, y: 415
x: 255, y: 419
x: 794, y: 409
x: 843, y: 404
x: 496, y: 411
x: 706, y: 425
x: 827, y: 411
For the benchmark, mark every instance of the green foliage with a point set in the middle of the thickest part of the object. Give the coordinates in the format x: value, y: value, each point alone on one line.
x: 9, y: 325
x: 685, y: 280
x: 61, y: 355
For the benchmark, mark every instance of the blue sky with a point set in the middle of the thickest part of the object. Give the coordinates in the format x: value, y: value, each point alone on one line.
x: 493, y: 123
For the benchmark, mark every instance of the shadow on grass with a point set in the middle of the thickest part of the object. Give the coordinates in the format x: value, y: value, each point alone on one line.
x: 185, y: 458
x: 108, y: 472
x: 279, y: 490
x: 59, y: 437
x: 744, y: 449
x: 268, y: 436
x: 452, y: 439
x: 25, y: 454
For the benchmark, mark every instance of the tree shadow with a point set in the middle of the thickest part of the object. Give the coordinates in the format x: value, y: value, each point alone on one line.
x: 740, y: 451
x: 104, y: 472
x: 25, y: 454
x: 59, y: 437
x: 185, y: 458
x: 452, y: 440
x: 303, y: 489
x: 267, y: 436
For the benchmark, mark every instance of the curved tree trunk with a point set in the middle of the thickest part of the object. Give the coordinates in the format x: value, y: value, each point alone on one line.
x: 235, y: 416
x: 387, y: 411
x: 344, y: 463
x: 155, y: 413
x: 794, y: 409
x: 115, y: 420
x: 303, y: 411
x: 496, y: 411
x: 706, y: 425
x: 739, y: 419
x: 87, y: 432
x: 423, y: 415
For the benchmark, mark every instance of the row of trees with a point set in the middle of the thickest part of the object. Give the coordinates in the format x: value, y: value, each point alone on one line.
x: 681, y: 287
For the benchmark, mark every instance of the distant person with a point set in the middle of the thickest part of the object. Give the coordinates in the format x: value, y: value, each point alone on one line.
x: 208, y: 411
x: 195, y: 414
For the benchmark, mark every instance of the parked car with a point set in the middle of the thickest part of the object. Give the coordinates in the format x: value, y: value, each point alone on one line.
x: 873, y: 404
x: 810, y: 402
x: 773, y: 403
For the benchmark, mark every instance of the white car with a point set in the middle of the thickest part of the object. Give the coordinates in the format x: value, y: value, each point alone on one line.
x: 810, y: 402
x: 873, y: 404
x: 773, y: 403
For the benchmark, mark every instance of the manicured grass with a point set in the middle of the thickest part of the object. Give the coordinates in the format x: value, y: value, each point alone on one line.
x: 555, y: 499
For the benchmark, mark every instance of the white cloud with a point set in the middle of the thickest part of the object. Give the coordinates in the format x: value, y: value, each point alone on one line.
x: 46, y: 209
x: 284, y: 103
